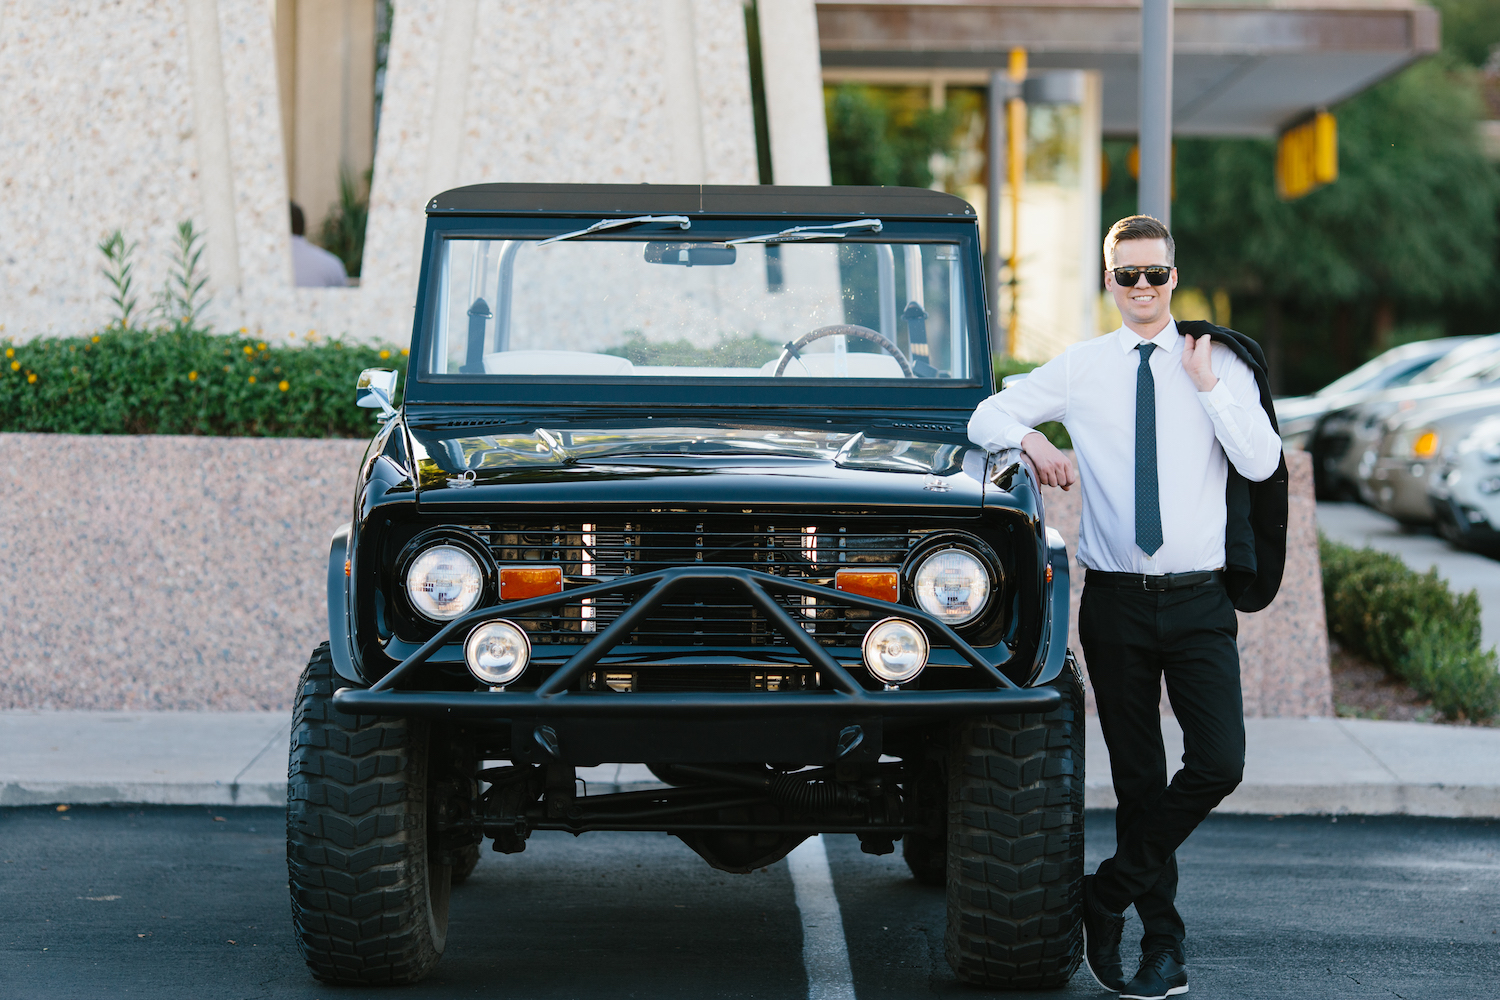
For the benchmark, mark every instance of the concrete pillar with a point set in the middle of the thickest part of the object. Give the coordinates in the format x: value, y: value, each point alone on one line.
x: 211, y: 128
x: 680, y: 61
x: 794, y: 91
x: 450, y: 102
x: 1090, y: 158
x: 1155, y: 198
x: 1000, y: 91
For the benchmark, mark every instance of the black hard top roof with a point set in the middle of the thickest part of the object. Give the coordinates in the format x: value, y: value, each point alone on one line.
x: 693, y: 199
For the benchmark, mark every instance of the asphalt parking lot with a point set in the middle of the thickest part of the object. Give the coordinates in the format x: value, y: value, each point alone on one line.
x: 172, y: 902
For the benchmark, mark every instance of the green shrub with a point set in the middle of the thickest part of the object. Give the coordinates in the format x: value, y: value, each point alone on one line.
x: 187, y: 381
x: 1412, y: 626
x: 1006, y: 365
x: 1462, y: 681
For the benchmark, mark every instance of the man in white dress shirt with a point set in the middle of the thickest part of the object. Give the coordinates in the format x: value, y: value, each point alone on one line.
x: 312, y: 266
x: 1156, y: 419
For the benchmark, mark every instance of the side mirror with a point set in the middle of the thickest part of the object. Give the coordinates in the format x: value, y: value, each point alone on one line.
x: 1005, y: 383
x: 375, y: 390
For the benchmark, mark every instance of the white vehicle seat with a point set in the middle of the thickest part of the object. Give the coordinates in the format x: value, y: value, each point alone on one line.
x: 555, y: 363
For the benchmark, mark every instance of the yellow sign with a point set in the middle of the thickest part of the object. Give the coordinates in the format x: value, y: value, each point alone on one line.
x: 1307, y: 156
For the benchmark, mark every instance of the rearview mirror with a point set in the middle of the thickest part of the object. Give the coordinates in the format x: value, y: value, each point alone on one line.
x: 689, y: 254
x: 375, y: 390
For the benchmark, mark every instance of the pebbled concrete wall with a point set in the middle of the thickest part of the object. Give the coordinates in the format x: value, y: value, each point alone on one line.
x: 1283, y: 649
x: 159, y: 572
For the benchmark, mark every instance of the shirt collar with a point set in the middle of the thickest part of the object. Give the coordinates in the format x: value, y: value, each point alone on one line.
x: 1166, y: 340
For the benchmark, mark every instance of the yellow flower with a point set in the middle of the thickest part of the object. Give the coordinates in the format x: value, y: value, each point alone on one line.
x: 404, y: 352
x: 10, y: 352
x: 261, y: 346
x: 384, y: 355
x: 31, y: 377
x: 226, y: 368
x: 291, y: 335
x: 283, y: 385
x: 96, y: 338
x: 192, y: 376
x: 15, y: 366
x: 249, y: 350
x: 252, y: 379
x: 243, y: 331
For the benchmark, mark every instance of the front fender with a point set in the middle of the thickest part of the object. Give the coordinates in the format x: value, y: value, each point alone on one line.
x: 1053, y: 655
x: 338, y: 604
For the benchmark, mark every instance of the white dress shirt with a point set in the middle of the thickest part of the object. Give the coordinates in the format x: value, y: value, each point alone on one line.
x: 1090, y: 387
x: 314, y: 267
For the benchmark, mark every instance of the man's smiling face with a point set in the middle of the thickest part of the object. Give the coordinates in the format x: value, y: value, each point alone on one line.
x: 1144, y: 304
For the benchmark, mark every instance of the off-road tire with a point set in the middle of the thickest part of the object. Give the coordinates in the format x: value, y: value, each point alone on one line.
x: 369, y: 901
x: 927, y: 857
x: 468, y: 860
x: 1015, y: 845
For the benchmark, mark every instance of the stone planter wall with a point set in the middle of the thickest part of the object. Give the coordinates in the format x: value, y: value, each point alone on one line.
x: 189, y: 573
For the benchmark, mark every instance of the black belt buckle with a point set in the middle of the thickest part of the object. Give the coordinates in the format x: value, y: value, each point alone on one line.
x: 1163, y: 583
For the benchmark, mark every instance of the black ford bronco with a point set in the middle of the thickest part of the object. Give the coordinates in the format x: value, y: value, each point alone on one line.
x: 680, y: 478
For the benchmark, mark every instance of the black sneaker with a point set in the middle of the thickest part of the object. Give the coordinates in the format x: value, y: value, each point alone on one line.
x: 1101, y: 940
x: 1161, y: 975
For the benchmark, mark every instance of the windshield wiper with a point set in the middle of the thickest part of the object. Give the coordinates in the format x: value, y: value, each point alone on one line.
x: 683, y: 222
x: 831, y: 231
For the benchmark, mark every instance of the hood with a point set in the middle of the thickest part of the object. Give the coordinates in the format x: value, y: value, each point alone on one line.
x: 644, y: 463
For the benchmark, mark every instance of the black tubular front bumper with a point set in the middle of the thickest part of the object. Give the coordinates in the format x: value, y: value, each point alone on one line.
x: 993, y: 691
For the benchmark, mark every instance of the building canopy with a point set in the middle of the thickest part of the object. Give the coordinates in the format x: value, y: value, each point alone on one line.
x: 1243, y: 68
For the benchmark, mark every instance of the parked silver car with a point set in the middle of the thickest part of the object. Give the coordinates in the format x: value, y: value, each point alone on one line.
x: 1413, y: 448
x: 1346, y: 443
x: 1466, y: 492
x: 1298, y: 415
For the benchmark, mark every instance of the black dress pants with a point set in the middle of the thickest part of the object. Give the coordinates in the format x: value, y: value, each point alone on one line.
x: 1131, y: 638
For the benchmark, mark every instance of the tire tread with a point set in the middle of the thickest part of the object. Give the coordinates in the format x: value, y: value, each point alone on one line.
x: 1015, y: 846
x: 356, y: 850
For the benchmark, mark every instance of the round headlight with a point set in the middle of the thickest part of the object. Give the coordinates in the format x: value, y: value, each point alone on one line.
x: 953, y: 585
x: 444, y: 582
x: 497, y: 652
x: 895, y: 650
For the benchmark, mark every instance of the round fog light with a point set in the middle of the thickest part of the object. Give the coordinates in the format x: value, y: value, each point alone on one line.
x: 895, y: 650
x: 497, y: 652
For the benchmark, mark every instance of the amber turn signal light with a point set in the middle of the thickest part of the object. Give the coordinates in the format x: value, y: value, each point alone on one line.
x: 517, y: 583
x: 880, y: 584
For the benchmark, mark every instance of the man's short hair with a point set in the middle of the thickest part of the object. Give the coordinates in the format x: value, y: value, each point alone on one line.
x: 1137, y: 227
x: 299, y: 222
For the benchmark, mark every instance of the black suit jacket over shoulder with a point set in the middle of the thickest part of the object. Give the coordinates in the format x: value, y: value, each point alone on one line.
x: 1255, y: 532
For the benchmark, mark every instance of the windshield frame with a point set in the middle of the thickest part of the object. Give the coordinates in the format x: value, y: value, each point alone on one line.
x: 666, y: 390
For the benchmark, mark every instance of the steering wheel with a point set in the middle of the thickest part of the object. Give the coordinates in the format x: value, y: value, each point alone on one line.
x: 849, y: 330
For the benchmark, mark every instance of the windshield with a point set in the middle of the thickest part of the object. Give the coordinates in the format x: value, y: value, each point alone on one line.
x: 634, y: 304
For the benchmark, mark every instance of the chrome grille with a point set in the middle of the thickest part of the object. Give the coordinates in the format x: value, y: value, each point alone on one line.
x: 809, y: 549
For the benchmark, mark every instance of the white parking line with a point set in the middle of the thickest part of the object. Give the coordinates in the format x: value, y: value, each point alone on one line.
x: 824, y: 952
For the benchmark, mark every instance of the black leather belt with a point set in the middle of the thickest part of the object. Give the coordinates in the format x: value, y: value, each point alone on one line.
x: 1154, y: 583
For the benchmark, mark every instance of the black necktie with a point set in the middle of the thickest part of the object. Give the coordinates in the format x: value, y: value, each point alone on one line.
x: 1147, y: 501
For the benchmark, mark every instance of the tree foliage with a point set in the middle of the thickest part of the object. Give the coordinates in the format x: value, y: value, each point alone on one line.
x: 869, y: 143
x: 1412, y: 215
x: 1408, y: 232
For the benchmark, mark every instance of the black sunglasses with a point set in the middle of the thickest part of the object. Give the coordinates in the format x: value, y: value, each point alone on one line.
x: 1156, y: 274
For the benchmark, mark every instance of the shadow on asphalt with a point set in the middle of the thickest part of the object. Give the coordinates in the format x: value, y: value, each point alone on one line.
x: 170, y: 902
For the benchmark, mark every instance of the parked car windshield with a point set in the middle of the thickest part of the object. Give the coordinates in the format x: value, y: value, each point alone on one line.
x: 656, y: 305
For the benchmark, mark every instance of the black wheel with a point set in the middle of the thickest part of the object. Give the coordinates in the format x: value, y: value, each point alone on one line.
x: 468, y: 860
x: 1015, y: 845
x: 369, y: 894
x: 927, y: 857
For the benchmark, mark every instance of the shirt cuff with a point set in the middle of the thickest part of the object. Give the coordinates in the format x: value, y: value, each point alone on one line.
x: 1016, y: 435
x: 1218, y: 399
